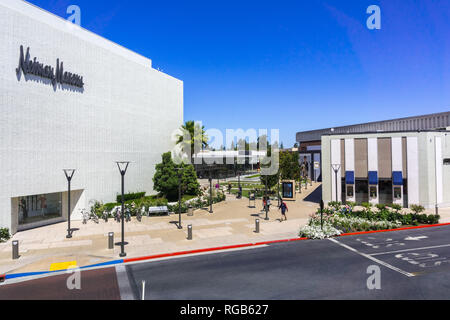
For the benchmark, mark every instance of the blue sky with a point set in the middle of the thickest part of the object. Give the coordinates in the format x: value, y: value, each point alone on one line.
x: 289, y: 65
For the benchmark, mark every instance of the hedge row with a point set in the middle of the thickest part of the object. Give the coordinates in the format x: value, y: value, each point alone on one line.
x: 130, y: 196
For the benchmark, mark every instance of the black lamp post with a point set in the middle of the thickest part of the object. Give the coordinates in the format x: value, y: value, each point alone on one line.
x: 336, y: 168
x: 322, y: 205
x: 239, y: 179
x: 123, y: 166
x: 300, y: 179
x: 210, y: 192
x: 180, y: 172
x: 266, y: 206
x: 278, y: 188
x: 69, y: 174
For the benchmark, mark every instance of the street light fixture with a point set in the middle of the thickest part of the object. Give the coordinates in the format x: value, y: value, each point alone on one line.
x: 336, y: 168
x: 123, y: 166
x: 69, y: 175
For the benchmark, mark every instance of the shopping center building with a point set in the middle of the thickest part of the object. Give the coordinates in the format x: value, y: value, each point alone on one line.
x: 404, y: 161
x: 405, y: 168
x: 71, y: 99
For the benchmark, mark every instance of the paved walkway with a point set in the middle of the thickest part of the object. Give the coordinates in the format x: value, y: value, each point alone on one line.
x: 233, y: 222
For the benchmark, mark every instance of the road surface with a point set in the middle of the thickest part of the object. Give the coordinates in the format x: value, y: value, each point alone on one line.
x: 413, y: 264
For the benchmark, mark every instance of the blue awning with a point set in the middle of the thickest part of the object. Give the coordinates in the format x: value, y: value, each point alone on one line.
x: 349, y: 177
x: 373, y: 177
x: 397, y: 178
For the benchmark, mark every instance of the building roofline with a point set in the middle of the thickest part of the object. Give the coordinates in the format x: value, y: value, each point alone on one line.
x: 378, y: 122
x: 385, y: 132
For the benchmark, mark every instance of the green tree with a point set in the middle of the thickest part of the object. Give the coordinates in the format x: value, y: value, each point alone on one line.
x: 271, y: 181
x: 289, y: 167
x: 198, y: 138
x: 165, y: 179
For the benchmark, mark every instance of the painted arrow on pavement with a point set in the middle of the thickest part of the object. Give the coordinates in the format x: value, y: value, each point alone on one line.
x: 416, y: 238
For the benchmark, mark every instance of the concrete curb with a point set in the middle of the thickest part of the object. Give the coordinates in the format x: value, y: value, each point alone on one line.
x: 184, y: 253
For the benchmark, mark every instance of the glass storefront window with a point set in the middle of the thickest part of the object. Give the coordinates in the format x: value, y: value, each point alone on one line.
x: 361, y: 191
x: 39, y: 207
x: 373, y: 192
x: 385, y: 191
x: 350, y: 191
x: 397, y: 193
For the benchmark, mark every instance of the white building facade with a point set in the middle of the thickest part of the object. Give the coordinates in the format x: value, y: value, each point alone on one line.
x: 405, y: 168
x: 83, y: 104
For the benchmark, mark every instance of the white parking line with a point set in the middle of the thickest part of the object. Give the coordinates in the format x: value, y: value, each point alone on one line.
x: 387, y: 265
x: 407, y: 250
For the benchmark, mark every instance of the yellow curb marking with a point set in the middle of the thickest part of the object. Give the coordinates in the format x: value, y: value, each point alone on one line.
x: 62, y: 265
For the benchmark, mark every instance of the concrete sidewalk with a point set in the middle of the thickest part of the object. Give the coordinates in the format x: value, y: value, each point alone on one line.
x: 233, y: 222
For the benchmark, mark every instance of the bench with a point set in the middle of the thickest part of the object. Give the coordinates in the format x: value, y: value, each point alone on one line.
x: 158, y: 210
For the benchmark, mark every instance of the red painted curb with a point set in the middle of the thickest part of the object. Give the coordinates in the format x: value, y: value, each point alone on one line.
x: 182, y: 253
x: 391, y: 230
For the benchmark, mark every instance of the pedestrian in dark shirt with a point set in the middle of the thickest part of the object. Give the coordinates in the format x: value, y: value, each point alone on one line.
x: 283, y: 207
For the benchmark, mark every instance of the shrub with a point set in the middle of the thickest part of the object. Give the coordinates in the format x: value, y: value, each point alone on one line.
x: 417, y: 209
x: 335, y: 205
x: 97, y: 208
x: 351, y: 204
x: 4, y: 234
x: 433, y: 219
x: 130, y: 196
x: 395, y: 206
x: 367, y: 205
x: 351, y: 224
x: 314, y: 231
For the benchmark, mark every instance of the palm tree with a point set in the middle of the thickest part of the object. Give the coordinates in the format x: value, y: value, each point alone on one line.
x: 198, y: 137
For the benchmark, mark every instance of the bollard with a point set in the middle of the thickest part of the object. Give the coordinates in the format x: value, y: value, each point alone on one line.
x: 189, y: 232
x: 257, y: 226
x: 111, y: 240
x: 15, y: 250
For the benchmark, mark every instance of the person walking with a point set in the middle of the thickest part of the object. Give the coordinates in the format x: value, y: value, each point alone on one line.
x: 283, y: 207
x: 229, y: 187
